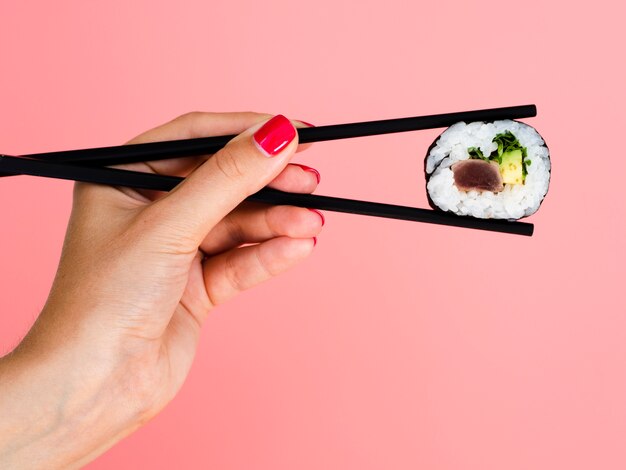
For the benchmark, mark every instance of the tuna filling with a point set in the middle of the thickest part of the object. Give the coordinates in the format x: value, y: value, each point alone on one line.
x: 477, y: 175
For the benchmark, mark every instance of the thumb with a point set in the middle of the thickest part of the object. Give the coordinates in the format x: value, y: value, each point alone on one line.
x: 244, y: 166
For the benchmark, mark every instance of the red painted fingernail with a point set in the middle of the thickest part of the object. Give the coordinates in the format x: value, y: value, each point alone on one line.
x: 314, y: 241
x: 320, y: 214
x: 305, y: 123
x: 312, y: 170
x: 275, y: 135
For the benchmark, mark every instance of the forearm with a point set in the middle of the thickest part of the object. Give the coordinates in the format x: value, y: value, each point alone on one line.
x: 54, y: 413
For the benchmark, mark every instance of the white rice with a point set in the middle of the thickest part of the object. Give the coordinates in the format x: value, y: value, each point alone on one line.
x: 516, y: 201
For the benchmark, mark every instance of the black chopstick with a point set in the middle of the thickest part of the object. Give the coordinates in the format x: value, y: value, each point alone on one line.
x: 119, y: 177
x: 103, y: 156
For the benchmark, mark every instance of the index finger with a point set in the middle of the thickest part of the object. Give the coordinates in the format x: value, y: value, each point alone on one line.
x: 191, y: 126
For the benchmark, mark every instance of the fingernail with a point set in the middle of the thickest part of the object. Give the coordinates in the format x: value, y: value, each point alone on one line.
x: 320, y: 214
x: 275, y: 135
x: 314, y: 241
x: 312, y: 170
x: 305, y: 123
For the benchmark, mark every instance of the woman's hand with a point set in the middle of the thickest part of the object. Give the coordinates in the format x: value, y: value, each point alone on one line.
x: 139, y: 273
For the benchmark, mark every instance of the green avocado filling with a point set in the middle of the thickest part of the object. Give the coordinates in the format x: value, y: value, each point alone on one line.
x: 510, y: 156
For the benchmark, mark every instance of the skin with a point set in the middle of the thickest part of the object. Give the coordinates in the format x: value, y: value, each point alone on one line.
x: 139, y: 273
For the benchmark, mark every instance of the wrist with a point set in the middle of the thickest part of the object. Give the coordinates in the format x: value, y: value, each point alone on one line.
x: 57, y: 412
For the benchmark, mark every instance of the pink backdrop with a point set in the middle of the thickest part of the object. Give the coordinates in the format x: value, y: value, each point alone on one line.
x: 397, y: 345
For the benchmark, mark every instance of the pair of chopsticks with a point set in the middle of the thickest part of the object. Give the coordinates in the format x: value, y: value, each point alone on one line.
x: 89, y: 165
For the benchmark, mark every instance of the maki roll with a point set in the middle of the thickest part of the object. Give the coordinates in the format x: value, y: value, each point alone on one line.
x: 498, y: 170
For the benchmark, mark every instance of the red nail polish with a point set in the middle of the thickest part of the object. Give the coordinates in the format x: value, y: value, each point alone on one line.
x: 314, y: 241
x: 312, y: 170
x: 305, y: 123
x: 320, y: 214
x: 275, y: 135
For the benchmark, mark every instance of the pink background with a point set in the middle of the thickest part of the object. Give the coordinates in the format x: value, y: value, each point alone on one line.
x: 397, y: 345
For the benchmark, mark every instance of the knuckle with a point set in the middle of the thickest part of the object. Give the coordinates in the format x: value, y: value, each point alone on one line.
x: 234, y: 275
x: 234, y: 230
x: 190, y: 116
x: 154, y: 228
x: 271, y: 215
x: 196, y: 123
x: 228, y: 164
x: 264, y: 267
x: 257, y: 115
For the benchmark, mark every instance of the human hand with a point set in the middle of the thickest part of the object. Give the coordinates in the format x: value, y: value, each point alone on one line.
x: 139, y: 273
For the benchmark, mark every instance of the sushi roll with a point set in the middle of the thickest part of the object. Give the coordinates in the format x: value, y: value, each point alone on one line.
x: 489, y: 170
